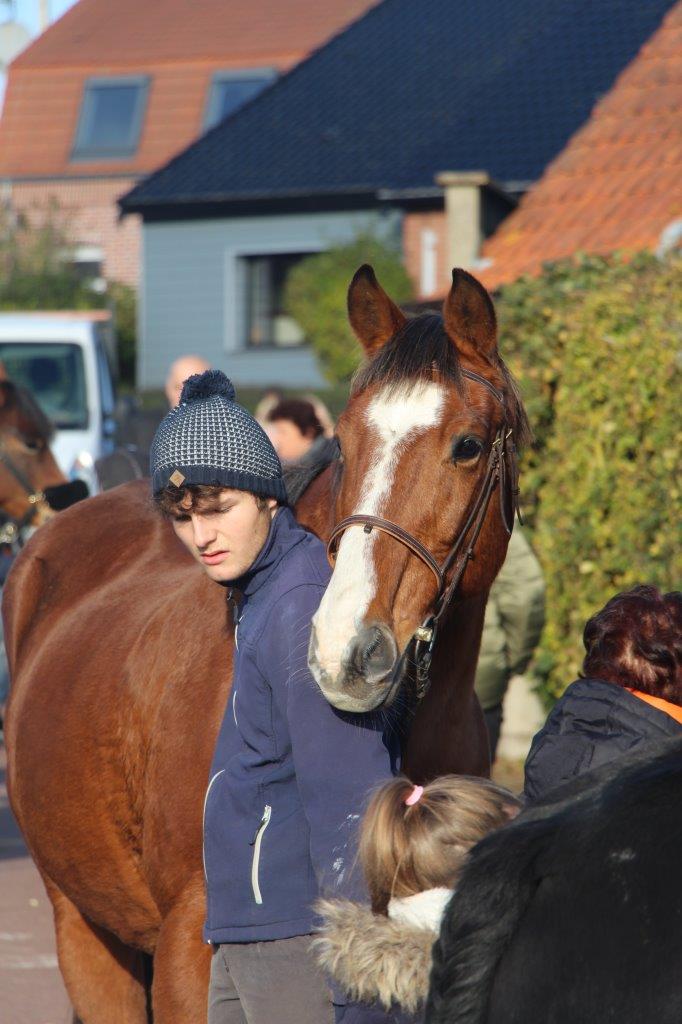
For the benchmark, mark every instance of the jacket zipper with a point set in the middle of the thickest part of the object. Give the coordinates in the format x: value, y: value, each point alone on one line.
x: 255, y: 863
x: 203, y: 820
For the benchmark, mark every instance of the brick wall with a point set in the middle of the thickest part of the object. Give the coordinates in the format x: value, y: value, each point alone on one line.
x: 425, y: 253
x: 89, y: 212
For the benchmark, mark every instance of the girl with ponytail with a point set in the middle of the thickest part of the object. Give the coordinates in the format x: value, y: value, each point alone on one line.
x: 414, y: 842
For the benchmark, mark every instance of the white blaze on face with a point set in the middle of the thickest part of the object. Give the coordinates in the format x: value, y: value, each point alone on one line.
x: 396, y: 419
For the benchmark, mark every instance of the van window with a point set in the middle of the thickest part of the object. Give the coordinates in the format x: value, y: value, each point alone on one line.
x: 55, y: 374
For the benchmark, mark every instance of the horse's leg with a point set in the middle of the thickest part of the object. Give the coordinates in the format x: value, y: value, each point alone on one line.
x: 104, y: 978
x: 182, y: 962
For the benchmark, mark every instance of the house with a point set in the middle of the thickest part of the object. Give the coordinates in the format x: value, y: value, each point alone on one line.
x: 617, y: 185
x: 414, y: 109
x: 112, y: 90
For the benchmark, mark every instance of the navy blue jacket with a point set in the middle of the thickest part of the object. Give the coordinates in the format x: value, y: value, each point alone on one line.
x: 593, y: 723
x: 290, y: 774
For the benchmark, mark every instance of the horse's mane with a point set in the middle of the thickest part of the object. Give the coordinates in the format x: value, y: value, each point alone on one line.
x: 298, y: 476
x: 32, y: 420
x: 421, y: 347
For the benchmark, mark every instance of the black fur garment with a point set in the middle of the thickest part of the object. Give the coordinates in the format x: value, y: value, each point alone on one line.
x: 573, y: 914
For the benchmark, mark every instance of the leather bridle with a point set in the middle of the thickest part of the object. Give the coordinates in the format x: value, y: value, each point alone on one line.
x: 501, y: 469
x: 54, y: 498
x: 10, y: 529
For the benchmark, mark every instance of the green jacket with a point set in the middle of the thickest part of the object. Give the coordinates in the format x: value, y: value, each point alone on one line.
x: 514, y: 618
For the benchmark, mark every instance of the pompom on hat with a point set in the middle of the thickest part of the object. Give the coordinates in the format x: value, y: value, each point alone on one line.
x: 210, y: 439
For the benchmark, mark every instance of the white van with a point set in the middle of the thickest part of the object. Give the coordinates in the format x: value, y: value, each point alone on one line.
x: 65, y: 360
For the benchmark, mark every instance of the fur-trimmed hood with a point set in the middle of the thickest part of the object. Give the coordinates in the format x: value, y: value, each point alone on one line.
x: 374, y: 958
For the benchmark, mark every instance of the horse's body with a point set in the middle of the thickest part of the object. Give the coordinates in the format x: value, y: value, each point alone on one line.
x: 573, y: 912
x: 121, y: 661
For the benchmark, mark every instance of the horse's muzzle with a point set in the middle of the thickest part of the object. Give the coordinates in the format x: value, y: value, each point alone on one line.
x: 366, y: 674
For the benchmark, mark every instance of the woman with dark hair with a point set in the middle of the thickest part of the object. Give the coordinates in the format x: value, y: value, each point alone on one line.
x: 629, y: 693
x: 296, y: 428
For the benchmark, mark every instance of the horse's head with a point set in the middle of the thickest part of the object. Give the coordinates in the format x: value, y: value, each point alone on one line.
x: 417, y: 453
x: 27, y: 466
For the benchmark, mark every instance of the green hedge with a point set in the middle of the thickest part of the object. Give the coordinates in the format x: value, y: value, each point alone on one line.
x: 315, y: 295
x: 597, y: 346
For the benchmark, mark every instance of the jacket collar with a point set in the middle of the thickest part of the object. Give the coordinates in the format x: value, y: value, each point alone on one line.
x: 674, y: 710
x: 423, y: 909
x: 284, y: 534
x: 374, y: 958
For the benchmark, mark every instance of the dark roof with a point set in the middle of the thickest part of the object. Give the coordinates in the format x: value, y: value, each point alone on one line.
x: 412, y: 88
x: 618, y: 183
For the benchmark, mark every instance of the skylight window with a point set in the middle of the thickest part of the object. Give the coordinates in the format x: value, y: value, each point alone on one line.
x: 231, y: 90
x: 111, y: 118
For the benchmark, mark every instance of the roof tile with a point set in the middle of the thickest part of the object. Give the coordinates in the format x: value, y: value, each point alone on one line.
x: 620, y: 175
x: 412, y: 89
x: 178, y: 43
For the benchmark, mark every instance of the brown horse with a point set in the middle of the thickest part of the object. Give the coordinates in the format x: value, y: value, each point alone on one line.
x: 121, y: 653
x: 27, y: 467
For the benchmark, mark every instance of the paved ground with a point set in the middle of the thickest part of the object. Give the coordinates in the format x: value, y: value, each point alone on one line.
x: 31, y: 989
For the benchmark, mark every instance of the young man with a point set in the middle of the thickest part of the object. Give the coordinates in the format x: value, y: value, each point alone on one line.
x: 290, y: 774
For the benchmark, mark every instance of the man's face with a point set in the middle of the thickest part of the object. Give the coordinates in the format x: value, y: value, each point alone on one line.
x: 226, y: 534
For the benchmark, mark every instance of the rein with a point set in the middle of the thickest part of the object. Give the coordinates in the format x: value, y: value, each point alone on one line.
x: 501, y: 470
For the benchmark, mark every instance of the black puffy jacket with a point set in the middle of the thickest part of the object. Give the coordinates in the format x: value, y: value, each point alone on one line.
x: 593, y: 723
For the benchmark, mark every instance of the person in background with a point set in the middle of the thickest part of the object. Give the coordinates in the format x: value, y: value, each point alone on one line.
x: 414, y: 842
x: 266, y: 403
x: 296, y: 428
x: 323, y: 414
x: 514, y: 618
x: 629, y: 693
x: 179, y: 371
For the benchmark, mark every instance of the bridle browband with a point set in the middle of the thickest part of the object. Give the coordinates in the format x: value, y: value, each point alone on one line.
x: 501, y: 469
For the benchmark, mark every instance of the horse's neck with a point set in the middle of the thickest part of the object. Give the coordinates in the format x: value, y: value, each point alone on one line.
x: 314, y: 509
x: 448, y: 732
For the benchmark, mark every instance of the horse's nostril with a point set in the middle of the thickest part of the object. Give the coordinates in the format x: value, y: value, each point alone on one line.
x: 372, y: 653
x: 374, y: 645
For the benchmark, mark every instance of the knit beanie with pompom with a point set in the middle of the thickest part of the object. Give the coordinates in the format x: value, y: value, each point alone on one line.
x: 210, y: 439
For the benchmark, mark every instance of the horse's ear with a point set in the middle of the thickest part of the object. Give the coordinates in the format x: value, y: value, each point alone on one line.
x: 373, y: 316
x: 469, y: 317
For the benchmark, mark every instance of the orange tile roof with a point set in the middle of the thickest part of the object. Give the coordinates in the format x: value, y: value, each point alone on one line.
x: 618, y: 182
x: 178, y: 43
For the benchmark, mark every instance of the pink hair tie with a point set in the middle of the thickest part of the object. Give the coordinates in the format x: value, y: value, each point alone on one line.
x: 414, y: 796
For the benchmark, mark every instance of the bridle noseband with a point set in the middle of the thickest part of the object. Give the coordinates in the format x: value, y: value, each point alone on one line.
x: 501, y: 469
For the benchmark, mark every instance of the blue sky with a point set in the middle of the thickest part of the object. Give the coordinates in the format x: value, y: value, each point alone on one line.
x: 27, y: 11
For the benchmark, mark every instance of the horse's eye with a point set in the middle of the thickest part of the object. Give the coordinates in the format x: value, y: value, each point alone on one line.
x: 339, y: 452
x: 32, y: 444
x: 464, y: 448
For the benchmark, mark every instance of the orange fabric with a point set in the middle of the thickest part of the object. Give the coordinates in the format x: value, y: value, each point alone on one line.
x: 674, y: 710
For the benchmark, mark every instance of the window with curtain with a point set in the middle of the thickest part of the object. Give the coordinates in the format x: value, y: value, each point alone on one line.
x: 267, y: 322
